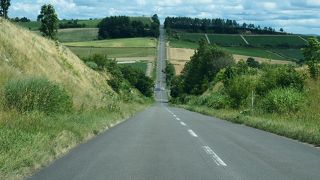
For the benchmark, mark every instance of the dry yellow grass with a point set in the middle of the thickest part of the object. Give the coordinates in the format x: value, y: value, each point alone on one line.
x: 180, y: 56
x: 23, y: 53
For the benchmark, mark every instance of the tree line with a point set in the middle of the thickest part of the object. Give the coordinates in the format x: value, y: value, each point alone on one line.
x: 219, y: 26
x: 123, y: 27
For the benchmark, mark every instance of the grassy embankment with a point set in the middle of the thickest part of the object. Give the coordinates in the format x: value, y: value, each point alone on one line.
x: 31, y: 139
x: 303, y: 126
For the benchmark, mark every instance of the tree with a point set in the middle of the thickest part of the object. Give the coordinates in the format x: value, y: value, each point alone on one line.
x: 312, y: 56
x: 49, y: 21
x: 201, y: 70
x: 281, y: 30
x: 4, y: 6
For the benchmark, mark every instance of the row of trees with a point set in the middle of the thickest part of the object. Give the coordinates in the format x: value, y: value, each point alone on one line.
x: 225, y: 26
x: 123, y: 27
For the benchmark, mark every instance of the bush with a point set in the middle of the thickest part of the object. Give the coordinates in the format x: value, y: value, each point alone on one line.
x: 238, y: 89
x: 279, y: 77
x: 92, y: 65
x: 253, y: 63
x: 217, y: 101
x: 36, y: 94
x: 283, y: 100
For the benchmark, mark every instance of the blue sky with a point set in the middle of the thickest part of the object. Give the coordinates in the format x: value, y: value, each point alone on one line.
x: 297, y: 16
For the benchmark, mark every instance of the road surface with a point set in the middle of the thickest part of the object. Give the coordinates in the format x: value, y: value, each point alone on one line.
x: 165, y: 143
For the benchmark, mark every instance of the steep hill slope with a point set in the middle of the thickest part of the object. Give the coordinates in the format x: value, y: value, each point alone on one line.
x: 23, y: 53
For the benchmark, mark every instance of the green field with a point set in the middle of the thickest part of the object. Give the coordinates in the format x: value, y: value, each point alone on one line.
x: 295, y: 54
x: 264, y: 46
x: 174, y: 43
x: 226, y: 40
x: 141, y: 66
x: 83, y: 52
x: 77, y: 34
x: 124, y: 42
x: 191, y: 37
x: 254, y: 52
x: 275, y: 41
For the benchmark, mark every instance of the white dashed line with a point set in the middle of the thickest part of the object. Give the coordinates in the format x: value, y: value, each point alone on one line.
x: 192, y: 133
x: 183, y: 124
x: 175, y: 115
x: 214, y: 156
x: 178, y: 119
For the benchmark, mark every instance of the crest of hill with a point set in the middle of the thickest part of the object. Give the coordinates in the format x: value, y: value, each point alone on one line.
x: 23, y: 53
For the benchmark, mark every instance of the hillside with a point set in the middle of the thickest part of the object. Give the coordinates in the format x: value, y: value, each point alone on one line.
x: 24, y: 53
x: 32, y: 138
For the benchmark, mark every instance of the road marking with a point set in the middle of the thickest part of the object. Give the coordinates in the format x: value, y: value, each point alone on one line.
x: 214, y: 156
x: 178, y: 119
x: 174, y: 115
x: 192, y: 133
x: 183, y: 124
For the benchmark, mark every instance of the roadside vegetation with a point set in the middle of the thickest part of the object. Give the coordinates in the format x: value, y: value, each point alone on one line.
x: 50, y: 100
x: 282, y: 99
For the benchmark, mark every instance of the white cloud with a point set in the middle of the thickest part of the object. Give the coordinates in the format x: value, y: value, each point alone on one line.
x: 275, y: 13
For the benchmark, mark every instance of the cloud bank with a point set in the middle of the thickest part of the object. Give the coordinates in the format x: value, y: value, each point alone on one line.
x: 297, y: 16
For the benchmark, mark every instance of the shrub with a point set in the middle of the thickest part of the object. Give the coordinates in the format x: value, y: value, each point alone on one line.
x: 279, y: 77
x: 238, y: 89
x: 92, y: 65
x: 217, y: 101
x: 253, y: 63
x: 283, y: 100
x: 36, y: 94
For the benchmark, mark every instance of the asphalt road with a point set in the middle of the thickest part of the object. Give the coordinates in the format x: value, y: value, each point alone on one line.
x: 165, y: 143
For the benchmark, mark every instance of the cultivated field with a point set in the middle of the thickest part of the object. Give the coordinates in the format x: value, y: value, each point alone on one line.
x: 275, y: 47
x: 134, y: 48
x: 77, y: 34
x: 117, y: 43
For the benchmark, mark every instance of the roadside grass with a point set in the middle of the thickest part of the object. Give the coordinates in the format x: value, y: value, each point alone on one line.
x: 141, y: 66
x: 30, y: 141
x: 124, y: 42
x: 77, y: 34
x: 303, y: 126
x: 83, y: 52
